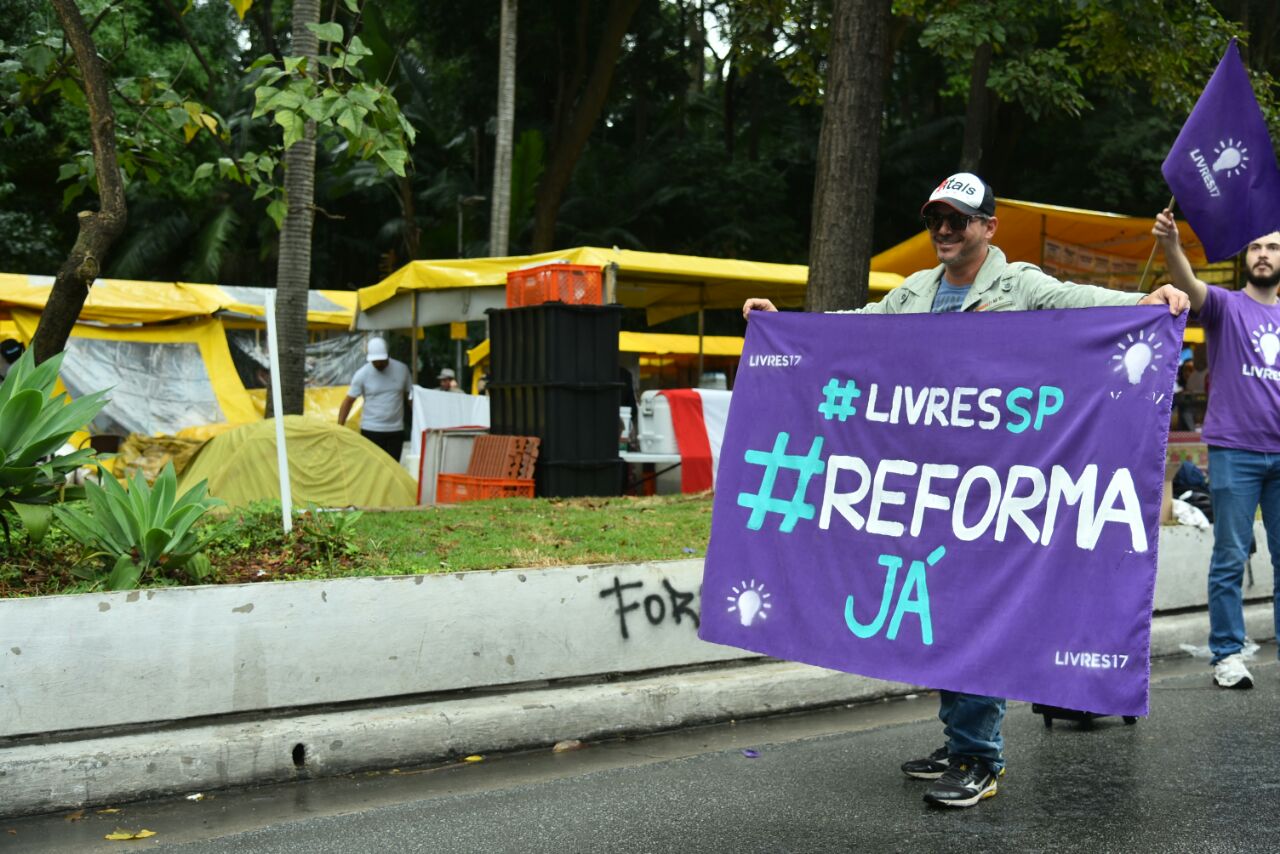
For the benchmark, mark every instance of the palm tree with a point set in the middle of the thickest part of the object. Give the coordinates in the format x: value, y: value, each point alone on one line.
x: 293, y: 268
x: 500, y: 212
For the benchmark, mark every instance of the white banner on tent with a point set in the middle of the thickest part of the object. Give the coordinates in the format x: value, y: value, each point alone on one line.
x: 1080, y: 264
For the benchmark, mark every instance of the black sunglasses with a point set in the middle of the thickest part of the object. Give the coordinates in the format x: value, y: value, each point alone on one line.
x: 956, y: 221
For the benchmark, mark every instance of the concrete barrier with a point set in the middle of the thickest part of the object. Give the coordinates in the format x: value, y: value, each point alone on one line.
x: 98, y: 660
x: 106, y: 660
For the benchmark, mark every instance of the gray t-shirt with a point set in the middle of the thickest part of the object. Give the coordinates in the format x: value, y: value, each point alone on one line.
x: 384, y: 393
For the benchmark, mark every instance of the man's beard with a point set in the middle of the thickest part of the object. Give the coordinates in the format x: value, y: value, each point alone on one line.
x: 1263, y: 281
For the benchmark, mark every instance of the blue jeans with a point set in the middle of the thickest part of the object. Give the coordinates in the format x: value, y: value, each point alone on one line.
x: 1239, y: 481
x: 972, y: 726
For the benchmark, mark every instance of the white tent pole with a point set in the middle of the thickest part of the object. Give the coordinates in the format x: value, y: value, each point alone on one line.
x: 282, y: 456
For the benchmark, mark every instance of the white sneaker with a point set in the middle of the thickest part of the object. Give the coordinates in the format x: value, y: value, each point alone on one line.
x: 1230, y: 672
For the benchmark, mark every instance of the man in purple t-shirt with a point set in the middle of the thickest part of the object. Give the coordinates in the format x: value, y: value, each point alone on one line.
x: 1241, y: 428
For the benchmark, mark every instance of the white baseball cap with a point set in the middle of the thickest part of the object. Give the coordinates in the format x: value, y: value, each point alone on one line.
x: 377, y: 349
x: 965, y: 192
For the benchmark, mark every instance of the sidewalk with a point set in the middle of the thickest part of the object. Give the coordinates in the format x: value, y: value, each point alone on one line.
x: 113, y: 766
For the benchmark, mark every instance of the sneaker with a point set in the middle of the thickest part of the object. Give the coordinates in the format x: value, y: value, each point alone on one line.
x: 1230, y: 672
x: 929, y: 768
x: 962, y: 785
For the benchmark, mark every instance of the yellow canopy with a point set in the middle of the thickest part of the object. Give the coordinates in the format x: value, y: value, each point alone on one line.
x: 122, y: 302
x: 1075, y: 241
x: 113, y: 301
x: 665, y: 285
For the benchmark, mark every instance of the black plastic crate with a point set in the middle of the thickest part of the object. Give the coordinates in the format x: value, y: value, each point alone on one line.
x: 574, y: 421
x: 554, y: 343
x: 577, y: 478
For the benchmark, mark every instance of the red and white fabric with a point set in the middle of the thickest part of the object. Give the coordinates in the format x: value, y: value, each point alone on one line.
x: 698, y: 418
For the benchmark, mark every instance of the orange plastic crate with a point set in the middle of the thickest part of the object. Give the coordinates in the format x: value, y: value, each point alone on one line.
x: 455, y: 488
x: 576, y: 284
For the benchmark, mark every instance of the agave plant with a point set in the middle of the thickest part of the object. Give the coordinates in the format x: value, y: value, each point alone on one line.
x: 139, y: 530
x: 33, y: 425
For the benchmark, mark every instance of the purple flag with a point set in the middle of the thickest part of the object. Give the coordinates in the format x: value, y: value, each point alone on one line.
x: 959, y: 501
x: 1222, y: 168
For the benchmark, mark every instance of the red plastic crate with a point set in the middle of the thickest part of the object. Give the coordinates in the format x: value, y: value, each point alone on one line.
x: 455, y: 488
x: 575, y: 284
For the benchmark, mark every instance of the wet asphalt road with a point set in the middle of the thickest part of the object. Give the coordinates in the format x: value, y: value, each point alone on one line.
x: 1202, y: 774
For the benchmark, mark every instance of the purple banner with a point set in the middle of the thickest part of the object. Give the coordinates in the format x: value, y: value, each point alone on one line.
x: 959, y: 501
x: 1222, y: 168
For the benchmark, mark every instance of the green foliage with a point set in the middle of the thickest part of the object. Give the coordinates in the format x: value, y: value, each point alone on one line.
x: 350, y: 113
x: 724, y: 167
x: 329, y: 532
x: 33, y: 425
x: 1047, y: 50
x: 248, y: 529
x: 318, y: 537
x: 141, y: 531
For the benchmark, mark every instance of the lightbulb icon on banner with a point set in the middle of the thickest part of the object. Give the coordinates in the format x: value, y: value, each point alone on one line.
x: 1233, y: 158
x: 1266, y: 340
x: 1136, y: 356
x: 750, y: 601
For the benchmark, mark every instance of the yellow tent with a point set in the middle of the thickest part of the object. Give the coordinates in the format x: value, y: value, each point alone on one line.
x: 162, y: 347
x: 125, y: 302
x: 329, y: 466
x: 167, y: 376
x: 423, y: 293
x: 1082, y: 246
x: 1074, y: 245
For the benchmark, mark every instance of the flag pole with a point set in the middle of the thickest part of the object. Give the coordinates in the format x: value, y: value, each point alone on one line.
x: 1142, y: 283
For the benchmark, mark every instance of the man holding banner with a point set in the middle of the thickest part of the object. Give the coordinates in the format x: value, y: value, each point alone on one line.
x: 973, y: 277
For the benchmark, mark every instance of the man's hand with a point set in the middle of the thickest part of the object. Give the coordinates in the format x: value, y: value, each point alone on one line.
x: 1168, y: 295
x: 756, y: 304
x: 1165, y: 229
x: 1180, y: 271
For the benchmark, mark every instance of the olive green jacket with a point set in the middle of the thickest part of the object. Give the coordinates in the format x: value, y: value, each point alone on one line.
x: 1001, y: 285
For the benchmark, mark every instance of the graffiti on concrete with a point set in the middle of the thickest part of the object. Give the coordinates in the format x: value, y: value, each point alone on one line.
x: 658, y: 608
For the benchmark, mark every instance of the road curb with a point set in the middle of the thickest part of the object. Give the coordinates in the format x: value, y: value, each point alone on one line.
x: 45, y: 776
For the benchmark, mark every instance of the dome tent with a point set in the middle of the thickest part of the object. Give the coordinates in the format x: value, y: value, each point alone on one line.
x: 329, y: 466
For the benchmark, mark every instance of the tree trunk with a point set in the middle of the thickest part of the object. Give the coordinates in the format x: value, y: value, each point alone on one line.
x: 976, y: 113
x: 409, y: 210
x: 500, y: 210
x: 697, y: 51
x: 730, y: 107
x: 581, y: 118
x: 293, y: 267
x: 98, y: 229
x: 848, y: 156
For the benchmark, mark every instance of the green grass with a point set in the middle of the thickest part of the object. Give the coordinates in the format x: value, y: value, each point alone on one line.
x: 516, y: 532
x: 250, y: 545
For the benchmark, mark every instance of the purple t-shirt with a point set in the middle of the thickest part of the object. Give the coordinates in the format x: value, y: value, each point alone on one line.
x: 1244, y: 371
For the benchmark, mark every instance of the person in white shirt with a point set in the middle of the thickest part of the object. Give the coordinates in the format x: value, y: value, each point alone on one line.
x: 385, y: 384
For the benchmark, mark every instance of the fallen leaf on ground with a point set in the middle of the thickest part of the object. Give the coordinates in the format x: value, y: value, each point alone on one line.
x: 74, y: 816
x: 108, y: 811
x: 567, y: 744
x: 121, y: 834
